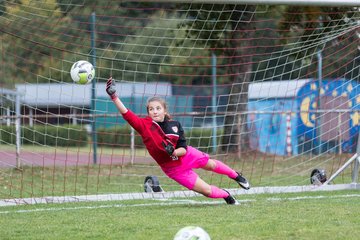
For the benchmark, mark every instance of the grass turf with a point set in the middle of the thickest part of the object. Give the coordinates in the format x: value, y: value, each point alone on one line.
x: 324, y: 215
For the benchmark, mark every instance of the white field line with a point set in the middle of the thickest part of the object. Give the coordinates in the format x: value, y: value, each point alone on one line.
x: 167, y: 195
x: 169, y: 202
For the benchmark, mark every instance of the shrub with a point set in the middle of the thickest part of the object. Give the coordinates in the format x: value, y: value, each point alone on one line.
x: 61, y: 135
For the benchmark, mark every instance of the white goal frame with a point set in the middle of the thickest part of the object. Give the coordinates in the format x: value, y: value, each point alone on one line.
x: 349, y: 3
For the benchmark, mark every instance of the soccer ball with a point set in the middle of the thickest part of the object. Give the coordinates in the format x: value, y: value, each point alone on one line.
x: 192, y: 233
x: 82, y: 72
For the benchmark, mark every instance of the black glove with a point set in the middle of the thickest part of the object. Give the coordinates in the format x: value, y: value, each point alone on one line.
x: 169, y: 148
x: 111, y: 89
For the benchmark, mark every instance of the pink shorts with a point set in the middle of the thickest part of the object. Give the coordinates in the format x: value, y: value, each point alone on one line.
x: 184, y: 173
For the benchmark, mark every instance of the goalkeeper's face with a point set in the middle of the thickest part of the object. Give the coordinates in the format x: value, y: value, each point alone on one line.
x: 156, y: 111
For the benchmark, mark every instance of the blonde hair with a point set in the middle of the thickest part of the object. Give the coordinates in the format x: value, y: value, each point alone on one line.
x: 163, y: 104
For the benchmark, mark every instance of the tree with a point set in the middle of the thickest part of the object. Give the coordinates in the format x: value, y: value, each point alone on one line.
x: 227, y: 31
x: 309, y: 25
x: 33, y: 48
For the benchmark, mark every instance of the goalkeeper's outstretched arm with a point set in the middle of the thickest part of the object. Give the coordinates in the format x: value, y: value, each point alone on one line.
x: 111, y: 90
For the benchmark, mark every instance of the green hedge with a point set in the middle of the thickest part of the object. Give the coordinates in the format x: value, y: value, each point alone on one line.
x: 202, y: 138
x: 61, y: 135
x: 73, y: 135
x: 120, y: 136
x: 7, y: 135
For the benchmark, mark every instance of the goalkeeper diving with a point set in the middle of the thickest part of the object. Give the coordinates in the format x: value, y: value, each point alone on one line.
x: 165, y: 141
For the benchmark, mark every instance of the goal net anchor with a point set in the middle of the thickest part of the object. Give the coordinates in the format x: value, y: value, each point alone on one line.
x: 318, y: 176
x: 152, y: 184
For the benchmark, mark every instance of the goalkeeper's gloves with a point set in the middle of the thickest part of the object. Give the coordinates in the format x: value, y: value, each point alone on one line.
x: 169, y: 148
x: 111, y: 89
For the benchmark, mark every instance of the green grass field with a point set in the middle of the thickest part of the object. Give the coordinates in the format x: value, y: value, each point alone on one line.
x: 307, y: 215
x: 70, y: 180
x: 319, y: 215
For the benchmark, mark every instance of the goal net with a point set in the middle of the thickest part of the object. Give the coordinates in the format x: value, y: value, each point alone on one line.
x: 271, y: 90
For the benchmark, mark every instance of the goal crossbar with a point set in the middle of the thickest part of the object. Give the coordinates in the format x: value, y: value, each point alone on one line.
x: 268, y: 2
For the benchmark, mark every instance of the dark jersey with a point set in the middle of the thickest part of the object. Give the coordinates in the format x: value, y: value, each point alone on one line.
x: 154, y: 136
x: 173, y: 129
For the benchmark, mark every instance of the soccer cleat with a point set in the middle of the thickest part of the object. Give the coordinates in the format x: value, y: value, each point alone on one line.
x: 242, y: 181
x: 230, y: 199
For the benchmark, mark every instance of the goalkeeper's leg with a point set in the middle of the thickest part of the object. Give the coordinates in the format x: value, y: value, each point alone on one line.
x: 212, y: 191
x: 221, y: 168
x: 189, y: 179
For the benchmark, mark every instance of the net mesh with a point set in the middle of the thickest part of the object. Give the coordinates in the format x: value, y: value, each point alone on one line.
x: 272, y: 91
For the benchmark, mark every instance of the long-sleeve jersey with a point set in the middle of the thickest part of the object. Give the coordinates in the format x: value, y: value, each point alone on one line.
x: 154, y: 135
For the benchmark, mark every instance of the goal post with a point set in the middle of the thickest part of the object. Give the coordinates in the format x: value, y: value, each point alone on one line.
x: 11, y: 99
x: 271, y: 88
x: 355, y: 174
